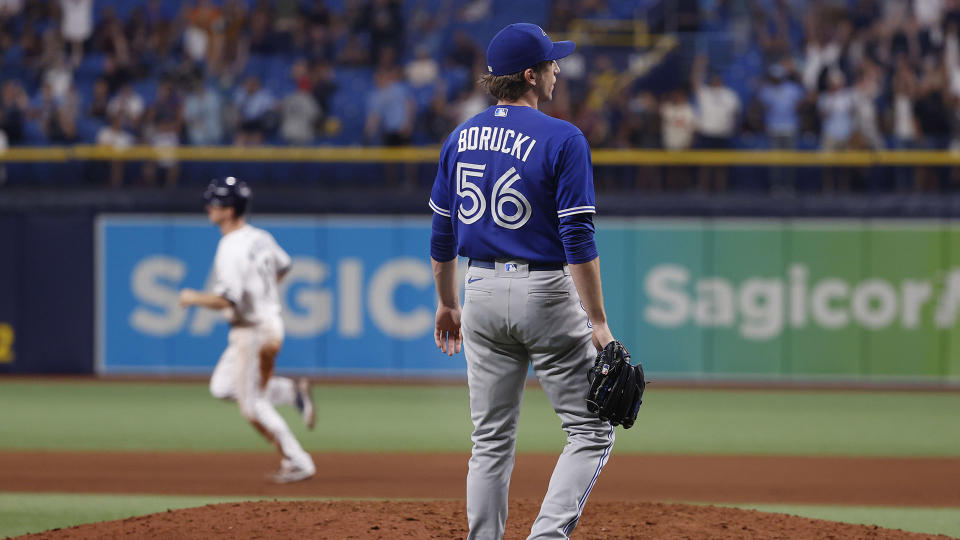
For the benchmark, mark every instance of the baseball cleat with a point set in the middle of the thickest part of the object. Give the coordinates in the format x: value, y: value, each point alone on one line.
x: 304, y: 402
x: 290, y: 474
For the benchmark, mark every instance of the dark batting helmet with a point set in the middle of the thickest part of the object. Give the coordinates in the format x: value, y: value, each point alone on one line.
x: 229, y: 191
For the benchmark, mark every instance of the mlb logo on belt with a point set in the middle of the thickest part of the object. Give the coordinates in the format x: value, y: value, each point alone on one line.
x: 500, y: 111
x: 511, y: 267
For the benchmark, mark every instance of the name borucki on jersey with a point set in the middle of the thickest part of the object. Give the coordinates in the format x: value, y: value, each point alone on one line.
x: 496, y: 139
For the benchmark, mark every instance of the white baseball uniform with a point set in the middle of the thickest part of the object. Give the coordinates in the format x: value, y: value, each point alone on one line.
x: 246, y: 267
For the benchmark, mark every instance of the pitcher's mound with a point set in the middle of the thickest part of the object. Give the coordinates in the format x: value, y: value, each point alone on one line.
x: 446, y: 519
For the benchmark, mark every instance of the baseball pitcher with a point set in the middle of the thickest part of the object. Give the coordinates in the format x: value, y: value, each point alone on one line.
x: 514, y: 194
x: 248, y: 266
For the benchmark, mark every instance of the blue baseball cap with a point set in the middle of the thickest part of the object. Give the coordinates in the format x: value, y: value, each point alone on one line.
x: 523, y: 45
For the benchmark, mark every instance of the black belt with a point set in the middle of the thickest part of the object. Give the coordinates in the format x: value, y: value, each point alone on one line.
x: 533, y: 267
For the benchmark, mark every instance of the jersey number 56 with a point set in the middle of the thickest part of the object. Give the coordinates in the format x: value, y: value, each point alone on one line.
x: 503, y: 195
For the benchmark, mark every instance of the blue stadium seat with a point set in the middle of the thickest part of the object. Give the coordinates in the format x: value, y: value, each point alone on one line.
x: 87, y: 129
x: 147, y: 88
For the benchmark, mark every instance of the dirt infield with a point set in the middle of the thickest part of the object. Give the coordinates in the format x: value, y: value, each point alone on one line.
x: 851, y: 481
x: 629, y: 488
x: 446, y: 520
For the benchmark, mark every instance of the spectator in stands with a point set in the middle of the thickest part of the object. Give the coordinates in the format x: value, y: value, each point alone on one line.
x: 164, y: 39
x: 390, y: 117
x: 387, y: 27
x: 471, y: 101
x: 10, y: 8
x: 286, y: 21
x: 203, y: 24
x: 355, y: 52
x: 780, y: 96
x: 928, y: 15
x: 429, y: 25
x: 679, y: 126
x: 679, y: 121
x: 773, y: 29
x: 594, y: 124
x: 14, y: 105
x: 438, y: 119
x: 114, y: 136
x: 825, y: 41
x: 164, y: 121
x: 115, y: 73
x: 836, y: 109
x: 43, y: 106
x: 318, y: 13
x: 59, y: 76
x: 933, y: 117
x: 99, y: 100
x: 128, y: 106
x: 202, y: 115
x: 390, y: 110
x: 103, y: 31
x: 562, y: 14
x: 112, y: 40
x: 262, y: 38
x: 4, y: 144
x: 324, y: 86
x: 62, y: 127
x: 355, y: 17
x: 77, y: 25
x: 641, y: 129
x: 642, y: 126
x: 234, y: 43
x: 319, y: 45
x: 930, y: 106
x: 138, y: 35
x: 475, y: 10
x: 423, y: 69
x: 865, y: 94
x: 465, y: 53
x: 902, y: 119
x: 257, y: 112
x: 718, y: 109
x: 299, y: 110
x: 604, y: 80
x: 51, y: 51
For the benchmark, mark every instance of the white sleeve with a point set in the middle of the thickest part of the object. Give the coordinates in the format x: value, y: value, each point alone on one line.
x: 228, y: 270
x: 281, y: 257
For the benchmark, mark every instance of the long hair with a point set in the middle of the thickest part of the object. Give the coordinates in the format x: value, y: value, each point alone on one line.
x: 512, y: 86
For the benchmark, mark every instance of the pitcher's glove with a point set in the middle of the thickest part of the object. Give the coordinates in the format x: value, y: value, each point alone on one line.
x: 616, y: 386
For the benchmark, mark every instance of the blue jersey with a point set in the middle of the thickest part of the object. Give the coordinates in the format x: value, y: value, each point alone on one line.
x: 507, y: 178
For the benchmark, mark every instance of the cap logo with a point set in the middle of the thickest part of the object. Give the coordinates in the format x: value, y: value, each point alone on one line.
x: 490, y: 69
x: 542, y: 32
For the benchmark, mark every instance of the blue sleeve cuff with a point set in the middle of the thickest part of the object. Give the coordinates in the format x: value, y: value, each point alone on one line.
x: 576, y: 233
x: 443, y: 246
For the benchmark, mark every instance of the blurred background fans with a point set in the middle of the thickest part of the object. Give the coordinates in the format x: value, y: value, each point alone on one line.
x: 156, y: 76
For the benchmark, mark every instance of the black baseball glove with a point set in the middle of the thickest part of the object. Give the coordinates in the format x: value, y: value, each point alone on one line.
x: 616, y: 386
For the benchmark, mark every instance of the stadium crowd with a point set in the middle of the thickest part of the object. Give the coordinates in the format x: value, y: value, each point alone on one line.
x: 821, y: 74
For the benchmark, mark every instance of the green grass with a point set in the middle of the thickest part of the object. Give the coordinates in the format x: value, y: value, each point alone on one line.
x: 371, y: 418
x: 57, y: 415
x: 923, y: 520
x: 22, y: 513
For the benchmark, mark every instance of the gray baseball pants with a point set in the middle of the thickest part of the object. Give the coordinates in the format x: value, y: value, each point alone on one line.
x: 510, y: 319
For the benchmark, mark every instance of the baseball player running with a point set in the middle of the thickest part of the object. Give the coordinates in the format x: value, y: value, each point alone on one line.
x: 247, y: 268
x: 514, y: 194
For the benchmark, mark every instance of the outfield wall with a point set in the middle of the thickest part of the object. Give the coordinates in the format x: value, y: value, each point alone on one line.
x: 851, y: 300
x: 46, y: 297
